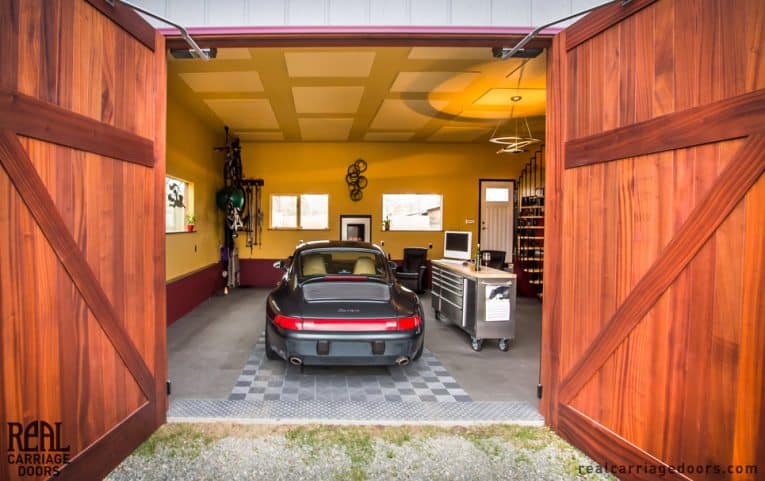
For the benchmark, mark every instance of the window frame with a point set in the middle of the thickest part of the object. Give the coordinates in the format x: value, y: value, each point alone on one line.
x: 188, y: 197
x: 392, y: 229
x: 298, y: 197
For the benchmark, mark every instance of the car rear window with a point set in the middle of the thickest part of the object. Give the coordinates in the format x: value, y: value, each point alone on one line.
x: 345, y: 262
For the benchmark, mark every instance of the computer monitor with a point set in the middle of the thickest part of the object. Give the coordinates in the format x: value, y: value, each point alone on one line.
x: 457, y: 244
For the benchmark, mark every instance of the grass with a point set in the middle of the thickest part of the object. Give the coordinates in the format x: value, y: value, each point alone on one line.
x: 355, y: 441
x: 176, y: 440
x: 358, y: 442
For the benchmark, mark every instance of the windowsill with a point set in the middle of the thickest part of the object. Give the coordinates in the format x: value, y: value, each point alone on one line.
x: 181, y: 232
x: 297, y: 229
x: 411, y: 230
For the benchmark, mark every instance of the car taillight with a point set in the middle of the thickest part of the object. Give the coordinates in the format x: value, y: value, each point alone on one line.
x: 297, y: 324
x: 290, y: 323
x: 407, y: 323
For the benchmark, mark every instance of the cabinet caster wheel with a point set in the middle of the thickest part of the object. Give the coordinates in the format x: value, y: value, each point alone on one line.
x: 476, y: 344
x: 504, y: 345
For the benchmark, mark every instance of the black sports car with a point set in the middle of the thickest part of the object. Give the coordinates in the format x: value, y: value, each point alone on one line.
x: 339, y: 304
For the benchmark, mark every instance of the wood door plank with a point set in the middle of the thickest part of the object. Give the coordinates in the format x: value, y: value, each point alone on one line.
x: 600, y: 20
x: 712, y: 210
x: 41, y: 120
x: 750, y: 394
x: 128, y: 20
x: 158, y: 258
x: 556, y: 124
x: 727, y: 119
x: 608, y: 448
x: 22, y: 173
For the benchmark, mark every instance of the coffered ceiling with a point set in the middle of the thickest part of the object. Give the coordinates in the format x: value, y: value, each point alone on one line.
x: 383, y: 94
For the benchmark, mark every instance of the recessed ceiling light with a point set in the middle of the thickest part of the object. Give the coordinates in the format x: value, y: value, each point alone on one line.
x: 516, y: 98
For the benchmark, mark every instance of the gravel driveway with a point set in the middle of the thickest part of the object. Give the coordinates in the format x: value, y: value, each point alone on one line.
x: 275, y: 453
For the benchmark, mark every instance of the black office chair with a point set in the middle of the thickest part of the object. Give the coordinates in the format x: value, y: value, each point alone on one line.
x: 496, y: 259
x: 411, y: 272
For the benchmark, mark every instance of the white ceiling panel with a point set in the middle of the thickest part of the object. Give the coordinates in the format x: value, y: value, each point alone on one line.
x: 261, y: 136
x: 397, y: 114
x: 329, y: 64
x: 433, y: 81
x: 248, y: 81
x: 457, y: 134
x: 450, y: 53
x: 327, y: 100
x: 388, y: 136
x: 233, y: 54
x: 325, y: 129
x: 501, y: 98
x: 244, y: 114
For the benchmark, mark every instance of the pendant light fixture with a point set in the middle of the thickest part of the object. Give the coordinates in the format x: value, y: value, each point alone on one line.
x: 518, y: 134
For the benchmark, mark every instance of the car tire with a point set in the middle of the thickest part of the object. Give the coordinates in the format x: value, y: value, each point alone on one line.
x: 418, y: 354
x: 271, y: 355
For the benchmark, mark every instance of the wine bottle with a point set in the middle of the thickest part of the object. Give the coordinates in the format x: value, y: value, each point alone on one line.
x: 477, y: 257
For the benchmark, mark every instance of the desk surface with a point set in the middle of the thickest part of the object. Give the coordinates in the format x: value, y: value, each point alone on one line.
x: 467, y: 271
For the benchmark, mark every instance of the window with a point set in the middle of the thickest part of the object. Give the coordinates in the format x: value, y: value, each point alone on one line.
x: 179, y: 202
x: 413, y: 211
x: 304, y: 211
x: 497, y: 194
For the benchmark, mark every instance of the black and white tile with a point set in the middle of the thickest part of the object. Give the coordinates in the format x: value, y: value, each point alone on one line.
x: 423, y: 381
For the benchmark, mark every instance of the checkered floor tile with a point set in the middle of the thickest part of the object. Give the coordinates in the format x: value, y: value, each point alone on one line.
x: 423, y: 381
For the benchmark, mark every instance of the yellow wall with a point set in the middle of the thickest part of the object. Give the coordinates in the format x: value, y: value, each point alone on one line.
x: 451, y: 170
x: 190, y: 157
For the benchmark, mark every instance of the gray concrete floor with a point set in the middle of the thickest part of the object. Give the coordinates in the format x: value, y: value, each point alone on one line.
x: 208, y: 348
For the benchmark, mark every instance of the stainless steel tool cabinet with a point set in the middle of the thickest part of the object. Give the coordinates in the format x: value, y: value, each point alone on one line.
x: 482, y: 303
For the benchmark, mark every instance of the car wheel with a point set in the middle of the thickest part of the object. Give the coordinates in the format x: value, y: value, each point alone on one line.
x: 476, y: 344
x: 270, y: 353
x: 504, y: 345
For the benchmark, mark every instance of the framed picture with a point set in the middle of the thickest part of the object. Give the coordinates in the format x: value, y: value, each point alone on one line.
x: 356, y: 228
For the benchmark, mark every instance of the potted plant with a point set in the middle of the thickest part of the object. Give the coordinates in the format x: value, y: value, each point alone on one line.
x: 191, y: 220
x: 386, y: 224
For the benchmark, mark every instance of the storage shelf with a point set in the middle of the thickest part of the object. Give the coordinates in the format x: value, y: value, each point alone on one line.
x: 529, y: 234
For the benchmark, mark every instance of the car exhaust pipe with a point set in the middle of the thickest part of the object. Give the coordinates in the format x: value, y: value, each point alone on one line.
x: 402, y: 361
x: 296, y: 361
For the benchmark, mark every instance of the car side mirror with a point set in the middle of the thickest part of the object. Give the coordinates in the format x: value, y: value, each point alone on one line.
x: 393, y: 265
x: 280, y: 265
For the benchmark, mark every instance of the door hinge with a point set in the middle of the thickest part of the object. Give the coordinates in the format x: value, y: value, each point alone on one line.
x: 169, y: 387
x: 539, y: 391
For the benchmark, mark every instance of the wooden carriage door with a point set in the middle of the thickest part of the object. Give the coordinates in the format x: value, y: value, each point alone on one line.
x: 654, y: 310
x: 82, y: 267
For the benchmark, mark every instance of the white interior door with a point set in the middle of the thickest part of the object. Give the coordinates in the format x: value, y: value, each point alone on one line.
x: 497, y: 216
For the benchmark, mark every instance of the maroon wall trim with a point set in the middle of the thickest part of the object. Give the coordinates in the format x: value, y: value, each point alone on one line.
x: 259, y: 273
x: 187, y: 292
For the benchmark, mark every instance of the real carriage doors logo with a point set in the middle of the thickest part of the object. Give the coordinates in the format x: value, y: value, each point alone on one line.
x: 36, y: 449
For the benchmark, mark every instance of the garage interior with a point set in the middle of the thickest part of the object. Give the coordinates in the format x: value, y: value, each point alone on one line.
x: 422, y: 119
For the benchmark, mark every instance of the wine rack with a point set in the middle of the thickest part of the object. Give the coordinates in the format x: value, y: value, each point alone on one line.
x: 530, y: 225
